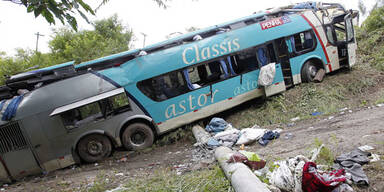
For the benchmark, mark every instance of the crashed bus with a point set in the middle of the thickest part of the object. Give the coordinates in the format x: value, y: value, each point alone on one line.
x: 64, y: 114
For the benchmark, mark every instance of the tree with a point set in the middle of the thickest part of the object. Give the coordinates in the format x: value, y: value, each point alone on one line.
x: 108, y: 37
x: 363, y: 9
x: 64, y: 10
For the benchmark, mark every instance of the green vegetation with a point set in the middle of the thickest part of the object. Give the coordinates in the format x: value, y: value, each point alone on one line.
x: 166, y: 180
x: 108, y: 37
x: 371, y: 39
x: 65, y: 10
x: 326, y: 156
x: 328, y: 97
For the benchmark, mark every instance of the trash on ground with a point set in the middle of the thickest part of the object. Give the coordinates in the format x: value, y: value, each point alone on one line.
x: 314, y: 180
x: 268, y: 136
x: 249, y: 135
x: 380, y: 105
x: 213, y: 142
x: 288, y: 136
x: 365, y: 147
x: 223, y: 134
x: 217, y: 125
x: 352, y: 163
x: 343, y: 109
x: 316, y: 113
x: 251, y: 159
x: 319, y: 76
x: 374, y: 158
x: 118, y: 189
x: 295, y: 119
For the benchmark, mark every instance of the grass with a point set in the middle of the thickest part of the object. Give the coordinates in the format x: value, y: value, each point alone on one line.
x: 326, y: 156
x: 304, y: 99
x: 167, y: 180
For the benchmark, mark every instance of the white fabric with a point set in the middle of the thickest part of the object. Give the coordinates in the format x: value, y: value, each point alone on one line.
x: 282, y: 177
x: 248, y: 135
x: 267, y: 74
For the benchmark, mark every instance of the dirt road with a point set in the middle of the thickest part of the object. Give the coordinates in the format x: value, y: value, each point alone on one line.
x: 341, y: 133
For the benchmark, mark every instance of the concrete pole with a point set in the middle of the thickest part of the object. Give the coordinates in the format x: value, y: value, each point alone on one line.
x: 241, y: 177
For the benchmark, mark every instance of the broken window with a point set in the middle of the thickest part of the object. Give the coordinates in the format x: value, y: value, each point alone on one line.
x: 205, y: 74
x: 245, y: 61
x: 95, y: 111
x: 163, y: 87
x: 303, y: 41
x: 329, y: 31
x: 84, y: 114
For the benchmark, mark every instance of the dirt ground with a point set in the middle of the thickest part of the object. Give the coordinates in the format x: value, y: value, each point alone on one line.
x: 341, y: 133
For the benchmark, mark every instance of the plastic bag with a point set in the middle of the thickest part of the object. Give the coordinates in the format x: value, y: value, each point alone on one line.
x: 267, y: 74
x: 249, y: 135
x: 282, y: 177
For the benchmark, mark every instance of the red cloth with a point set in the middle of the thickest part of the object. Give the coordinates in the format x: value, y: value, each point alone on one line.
x: 313, y: 181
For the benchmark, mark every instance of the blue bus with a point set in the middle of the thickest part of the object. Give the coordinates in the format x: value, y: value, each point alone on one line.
x: 65, y: 114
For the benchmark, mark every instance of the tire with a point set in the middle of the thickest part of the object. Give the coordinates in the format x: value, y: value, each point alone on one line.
x: 308, y: 72
x: 93, y: 148
x: 137, y: 136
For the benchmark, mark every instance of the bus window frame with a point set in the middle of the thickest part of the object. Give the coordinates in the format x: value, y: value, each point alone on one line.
x: 304, y: 51
x: 206, y: 63
x: 113, y: 111
x: 335, y: 41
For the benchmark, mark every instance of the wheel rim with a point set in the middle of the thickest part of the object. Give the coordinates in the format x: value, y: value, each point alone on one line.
x: 95, y: 147
x: 312, y: 70
x: 138, y: 138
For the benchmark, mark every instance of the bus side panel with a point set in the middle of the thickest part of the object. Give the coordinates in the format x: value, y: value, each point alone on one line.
x: 39, y: 140
x: 329, y: 52
x: 187, y: 54
x: 278, y: 84
x: 210, y: 110
x: 298, y: 62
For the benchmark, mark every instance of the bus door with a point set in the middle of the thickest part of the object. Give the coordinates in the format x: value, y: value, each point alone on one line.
x: 283, y: 59
x: 266, y: 55
x: 342, y: 36
x: 351, y: 40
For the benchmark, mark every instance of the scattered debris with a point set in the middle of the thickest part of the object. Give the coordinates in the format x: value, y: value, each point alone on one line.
x: 374, y: 158
x: 316, y: 113
x: 343, y: 109
x: 380, y: 105
x: 268, y: 136
x: 365, y: 147
x: 352, y: 163
x: 118, y: 189
x: 319, y: 75
x: 119, y: 174
x: 314, y: 180
x: 217, y: 125
x: 331, y: 117
x: 295, y: 119
x: 288, y: 136
x: 290, y: 124
x: 249, y: 135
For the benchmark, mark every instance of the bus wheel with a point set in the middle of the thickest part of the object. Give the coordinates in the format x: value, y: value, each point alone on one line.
x: 94, y: 148
x: 137, y: 136
x: 309, y: 72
